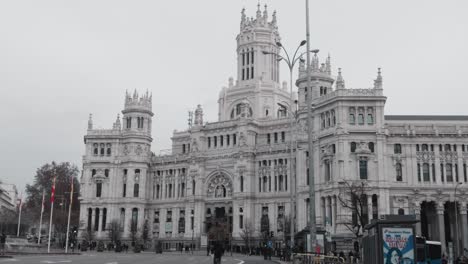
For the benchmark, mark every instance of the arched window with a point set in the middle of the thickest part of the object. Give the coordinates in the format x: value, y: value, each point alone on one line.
x: 397, y: 149
x: 447, y: 147
x: 328, y: 119
x: 102, y: 149
x: 363, y: 169
x: 322, y: 118
x: 106, y: 172
x: 361, y: 119
x: 96, y: 149
x: 193, y: 187
x: 98, y: 189
x: 265, y: 182
x: 399, y: 172
x: 134, y: 223
x: 424, y: 147
x: 401, y: 211
x: 370, y: 119
x: 371, y: 146
x: 353, y: 147
x: 109, y: 149
x: 352, y: 119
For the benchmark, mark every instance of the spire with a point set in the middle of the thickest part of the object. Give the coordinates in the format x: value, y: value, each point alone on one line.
x: 199, y: 116
x: 340, y: 83
x: 378, y: 82
x: 90, y: 122
x: 315, y: 62
x: 259, y: 13
x: 273, y: 20
x: 135, y: 94
x: 243, y: 17
x: 328, y: 64
x: 265, y: 14
x: 117, y: 123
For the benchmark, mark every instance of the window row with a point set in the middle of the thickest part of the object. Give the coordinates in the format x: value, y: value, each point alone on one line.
x: 276, y: 137
x: 323, y: 90
x: 360, y: 114
x: 102, y: 149
x: 328, y: 119
x: 223, y: 140
x: 140, y: 122
x: 427, y: 172
x: 280, y: 183
x: 100, y: 219
x: 430, y: 147
x: 171, y: 172
x: 275, y: 162
x: 186, y: 148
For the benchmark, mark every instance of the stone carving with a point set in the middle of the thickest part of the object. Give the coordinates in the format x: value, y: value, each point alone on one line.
x: 194, y: 147
x: 126, y: 150
x: 242, y: 139
x: 138, y: 150
x: 220, y: 186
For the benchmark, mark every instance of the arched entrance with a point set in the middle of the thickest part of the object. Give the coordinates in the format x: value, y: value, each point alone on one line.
x: 218, y: 209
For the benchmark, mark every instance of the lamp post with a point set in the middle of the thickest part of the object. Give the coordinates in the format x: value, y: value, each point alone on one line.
x: 290, y: 61
x: 456, y: 219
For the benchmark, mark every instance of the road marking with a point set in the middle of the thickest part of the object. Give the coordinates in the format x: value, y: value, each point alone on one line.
x: 241, y: 261
x: 57, y: 261
x: 112, y: 263
x: 9, y: 260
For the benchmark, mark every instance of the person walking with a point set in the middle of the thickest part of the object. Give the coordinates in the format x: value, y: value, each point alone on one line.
x: 218, y: 252
x: 2, y: 243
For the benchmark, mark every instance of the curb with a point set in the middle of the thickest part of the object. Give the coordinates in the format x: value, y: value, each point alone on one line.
x: 41, y: 253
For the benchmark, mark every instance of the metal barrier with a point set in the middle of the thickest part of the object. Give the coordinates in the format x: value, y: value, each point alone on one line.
x: 307, y: 258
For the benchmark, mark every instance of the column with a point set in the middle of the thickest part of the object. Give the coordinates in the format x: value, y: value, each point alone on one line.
x: 334, y: 214
x: 417, y: 212
x: 437, y: 163
x: 464, y: 224
x: 326, y: 211
x: 440, y: 220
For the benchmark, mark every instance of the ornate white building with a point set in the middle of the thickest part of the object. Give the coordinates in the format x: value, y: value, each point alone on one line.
x: 237, y: 168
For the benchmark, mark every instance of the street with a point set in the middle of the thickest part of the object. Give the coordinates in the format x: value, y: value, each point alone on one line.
x: 141, y: 258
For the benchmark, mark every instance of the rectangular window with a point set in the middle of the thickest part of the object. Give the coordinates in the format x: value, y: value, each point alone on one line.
x: 399, y: 172
x: 397, y: 149
x: 426, y: 176
x: 169, y: 217
x: 370, y: 119
x: 215, y: 141
x: 352, y: 119
x: 124, y: 190
x: 247, y: 73
x: 243, y: 59
x: 209, y: 142
x: 456, y: 173
x: 248, y: 58
x: 251, y: 72
x: 227, y: 140
x: 243, y: 74
x: 234, y: 137
x: 449, y: 172
x: 433, y: 173
x: 252, y: 57
x: 276, y: 137
x: 363, y: 169
x: 98, y: 189
x: 327, y: 170
x: 221, y: 141
x: 361, y: 119
x: 464, y: 172
x: 419, y: 172
x: 268, y: 138
x: 283, y: 136
x: 136, y: 190
x: 442, y: 172
x: 241, y: 221
x: 183, y: 148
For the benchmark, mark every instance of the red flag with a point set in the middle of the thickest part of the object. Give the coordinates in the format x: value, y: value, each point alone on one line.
x: 52, y: 195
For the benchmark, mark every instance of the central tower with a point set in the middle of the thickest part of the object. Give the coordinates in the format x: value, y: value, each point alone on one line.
x: 257, y: 91
x: 257, y: 35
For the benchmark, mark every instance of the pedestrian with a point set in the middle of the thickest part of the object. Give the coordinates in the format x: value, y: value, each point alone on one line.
x: 218, y: 253
x: 444, y: 259
x: 2, y: 243
x: 208, y: 250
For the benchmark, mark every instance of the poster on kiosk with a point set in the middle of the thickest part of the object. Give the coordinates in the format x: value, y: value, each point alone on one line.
x: 398, y: 245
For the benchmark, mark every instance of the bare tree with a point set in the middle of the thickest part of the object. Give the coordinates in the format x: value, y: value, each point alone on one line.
x: 247, y: 233
x: 353, y: 197
x: 114, y: 231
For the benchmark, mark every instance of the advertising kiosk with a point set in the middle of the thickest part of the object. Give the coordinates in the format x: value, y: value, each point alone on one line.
x: 390, y: 240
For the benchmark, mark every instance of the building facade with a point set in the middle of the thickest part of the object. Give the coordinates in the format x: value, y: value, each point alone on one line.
x: 236, y: 175
x: 8, y: 197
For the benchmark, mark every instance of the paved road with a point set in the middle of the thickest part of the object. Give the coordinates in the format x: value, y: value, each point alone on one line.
x: 131, y: 258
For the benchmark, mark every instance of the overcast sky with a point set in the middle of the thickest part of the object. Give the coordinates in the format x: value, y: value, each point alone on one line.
x: 61, y: 60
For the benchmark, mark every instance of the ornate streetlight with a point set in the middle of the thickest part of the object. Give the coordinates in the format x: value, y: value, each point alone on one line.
x: 290, y: 61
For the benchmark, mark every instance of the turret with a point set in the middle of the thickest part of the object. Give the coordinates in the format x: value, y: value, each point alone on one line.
x: 321, y: 78
x: 137, y: 113
x: 257, y: 35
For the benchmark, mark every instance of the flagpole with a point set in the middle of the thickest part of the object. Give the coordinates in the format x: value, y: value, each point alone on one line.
x: 69, y: 213
x: 19, y: 217
x: 40, y: 221
x: 52, y: 198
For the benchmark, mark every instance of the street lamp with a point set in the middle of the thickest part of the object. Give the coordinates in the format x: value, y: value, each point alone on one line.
x: 456, y: 218
x: 290, y: 61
